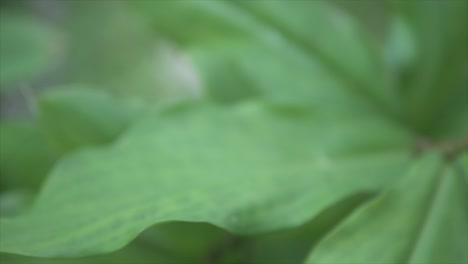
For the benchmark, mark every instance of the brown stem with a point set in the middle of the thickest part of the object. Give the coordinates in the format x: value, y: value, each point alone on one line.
x: 448, y: 149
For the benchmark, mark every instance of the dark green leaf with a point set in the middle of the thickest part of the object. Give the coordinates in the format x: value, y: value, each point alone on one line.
x: 74, y: 117
x: 25, y: 156
x: 440, y: 64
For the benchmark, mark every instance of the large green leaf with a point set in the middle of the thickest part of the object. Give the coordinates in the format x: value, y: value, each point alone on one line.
x: 420, y: 220
x: 293, y: 245
x: 249, y: 169
x: 27, y: 48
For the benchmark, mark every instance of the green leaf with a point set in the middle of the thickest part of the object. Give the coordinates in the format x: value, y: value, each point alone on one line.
x: 293, y: 245
x: 248, y: 169
x: 440, y: 65
x: 463, y: 163
x: 185, y: 242
x: 319, y: 29
x: 27, y: 48
x: 419, y: 220
x: 450, y: 122
x: 74, y: 117
x: 249, y: 43
x: 25, y: 155
x: 208, y: 21
x: 239, y: 70
x: 133, y: 253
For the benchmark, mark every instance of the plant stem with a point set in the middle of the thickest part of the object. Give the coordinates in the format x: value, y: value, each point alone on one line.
x: 449, y: 149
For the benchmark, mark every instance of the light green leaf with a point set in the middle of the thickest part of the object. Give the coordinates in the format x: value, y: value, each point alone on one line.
x: 444, y: 237
x: 74, y: 117
x: 134, y: 253
x: 419, y: 220
x: 27, y: 48
x: 248, y: 169
x: 401, y: 49
x: 25, y: 155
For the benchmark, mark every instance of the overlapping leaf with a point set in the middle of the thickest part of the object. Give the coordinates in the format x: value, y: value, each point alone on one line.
x: 420, y: 220
x: 245, y: 170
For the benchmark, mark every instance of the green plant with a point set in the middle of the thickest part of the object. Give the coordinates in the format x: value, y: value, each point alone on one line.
x: 314, y: 141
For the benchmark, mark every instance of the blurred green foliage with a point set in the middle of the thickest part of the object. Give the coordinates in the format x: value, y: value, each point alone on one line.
x: 234, y: 131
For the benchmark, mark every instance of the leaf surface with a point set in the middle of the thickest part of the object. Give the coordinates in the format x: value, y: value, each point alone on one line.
x: 281, y: 51
x: 14, y: 154
x: 419, y: 220
x: 319, y: 30
x: 248, y: 169
x: 439, y: 69
x: 74, y: 117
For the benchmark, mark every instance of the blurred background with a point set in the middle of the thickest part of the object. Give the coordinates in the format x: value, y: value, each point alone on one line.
x: 116, y: 58
x: 107, y: 45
